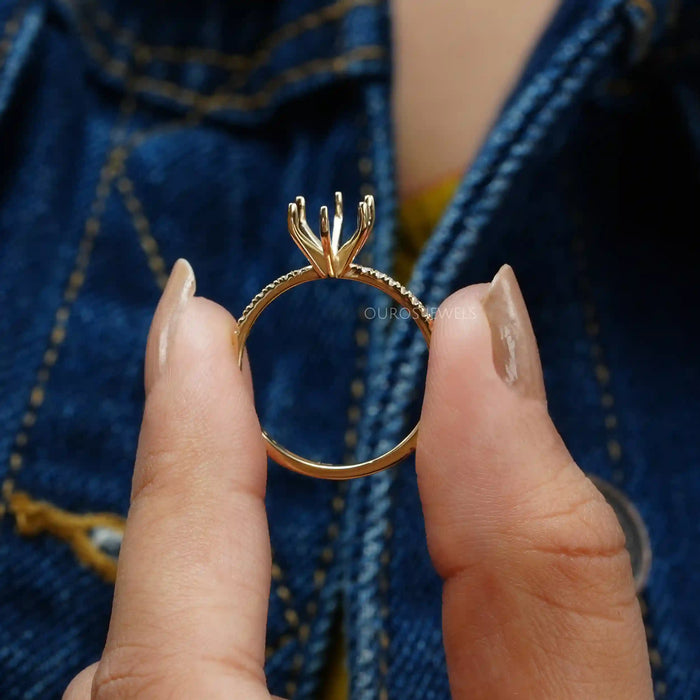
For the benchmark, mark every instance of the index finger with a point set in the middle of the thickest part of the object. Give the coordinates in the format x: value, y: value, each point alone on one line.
x: 190, y: 602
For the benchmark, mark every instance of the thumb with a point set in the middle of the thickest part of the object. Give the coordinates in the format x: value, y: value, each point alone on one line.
x: 538, y: 597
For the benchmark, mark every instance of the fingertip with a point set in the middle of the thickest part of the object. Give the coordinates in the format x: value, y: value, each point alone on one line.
x: 203, y: 357
x: 201, y: 398
x: 179, y: 289
x: 461, y: 379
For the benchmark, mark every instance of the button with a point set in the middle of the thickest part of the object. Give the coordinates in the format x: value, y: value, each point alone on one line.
x: 107, y: 540
x: 636, y: 535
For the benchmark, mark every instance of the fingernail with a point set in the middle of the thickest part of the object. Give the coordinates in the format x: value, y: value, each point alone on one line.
x: 178, y: 291
x: 515, y: 353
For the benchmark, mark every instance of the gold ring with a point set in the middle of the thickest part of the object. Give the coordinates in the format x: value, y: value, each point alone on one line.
x: 330, y: 259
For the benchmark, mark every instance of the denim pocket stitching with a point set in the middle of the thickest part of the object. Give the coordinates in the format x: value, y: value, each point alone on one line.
x: 602, y: 375
x: 113, y: 164
x: 218, y: 101
x: 228, y: 61
x: 142, y: 227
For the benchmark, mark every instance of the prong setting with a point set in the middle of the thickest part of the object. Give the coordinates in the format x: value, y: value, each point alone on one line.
x: 326, y: 255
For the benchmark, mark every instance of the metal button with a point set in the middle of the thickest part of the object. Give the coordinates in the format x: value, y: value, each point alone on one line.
x: 107, y: 540
x: 636, y: 535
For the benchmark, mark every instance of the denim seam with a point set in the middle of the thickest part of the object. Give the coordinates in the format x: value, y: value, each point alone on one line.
x: 371, y: 496
x: 142, y: 226
x: 150, y: 53
x: 603, y: 377
x: 10, y: 29
x: 321, y: 584
x: 459, y: 231
x: 384, y: 610
x: 110, y: 170
x: 600, y: 367
x: 316, y: 19
x: 656, y: 661
x: 209, y: 103
x: 529, y: 117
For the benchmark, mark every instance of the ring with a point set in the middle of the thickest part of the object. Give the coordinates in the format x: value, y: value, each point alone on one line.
x: 329, y: 258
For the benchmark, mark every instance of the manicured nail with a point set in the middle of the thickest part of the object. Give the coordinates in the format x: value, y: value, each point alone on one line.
x: 178, y: 291
x: 515, y: 353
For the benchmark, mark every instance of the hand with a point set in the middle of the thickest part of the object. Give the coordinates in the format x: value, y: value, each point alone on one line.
x: 538, y: 596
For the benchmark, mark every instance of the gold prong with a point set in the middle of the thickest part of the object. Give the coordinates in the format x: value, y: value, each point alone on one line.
x: 365, y: 222
x: 301, y: 206
x: 303, y: 224
x: 337, y: 222
x: 306, y: 242
x: 325, y: 231
x: 369, y: 201
x: 326, y: 255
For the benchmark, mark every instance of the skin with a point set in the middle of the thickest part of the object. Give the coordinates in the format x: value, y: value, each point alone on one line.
x: 538, y: 592
x: 450, y: 77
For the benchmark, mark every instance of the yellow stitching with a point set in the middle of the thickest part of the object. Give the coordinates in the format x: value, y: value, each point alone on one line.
x: 205, y: 104
x: 655, y: 658
x: 384, y: 640
x: 607, y: 400
x: 292, y: 617
x: 9, y: 31
x: 143, y: 230
x: 600, y: 369
x: 219, y: 59
x: 285, y: 595
x: 309, y: 22
x: 39, y: 517
x: 114, y: 162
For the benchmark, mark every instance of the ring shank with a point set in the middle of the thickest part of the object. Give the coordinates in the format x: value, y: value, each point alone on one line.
x: 364, y: 275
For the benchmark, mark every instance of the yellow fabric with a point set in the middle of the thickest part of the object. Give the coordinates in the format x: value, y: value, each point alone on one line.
x: 418, y: 216
x: 335, y: 684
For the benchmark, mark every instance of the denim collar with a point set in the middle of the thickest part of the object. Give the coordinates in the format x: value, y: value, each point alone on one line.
x: 229, y: 61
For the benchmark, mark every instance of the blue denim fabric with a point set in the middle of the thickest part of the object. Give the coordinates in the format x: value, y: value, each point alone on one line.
x: 133, y: 133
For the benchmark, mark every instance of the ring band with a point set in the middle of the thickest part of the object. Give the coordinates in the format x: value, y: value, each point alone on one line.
x: 330, y: 259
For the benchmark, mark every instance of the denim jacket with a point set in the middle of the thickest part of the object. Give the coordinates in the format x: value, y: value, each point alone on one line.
x: 136, y: 132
